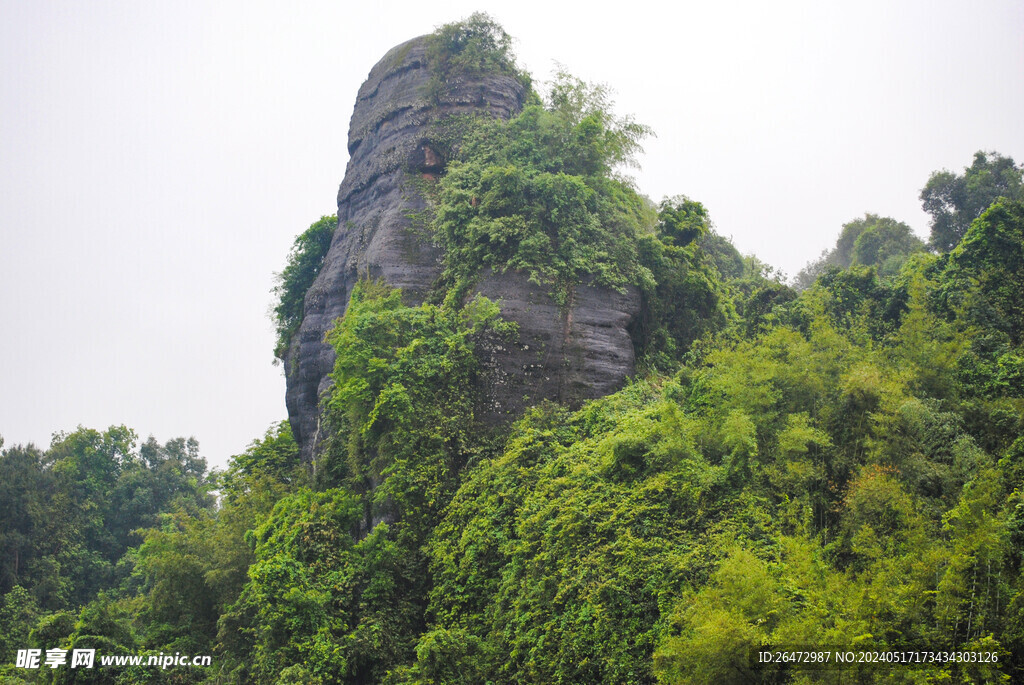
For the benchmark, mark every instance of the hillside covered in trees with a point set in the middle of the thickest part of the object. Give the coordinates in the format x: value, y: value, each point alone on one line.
x: 839, y: 463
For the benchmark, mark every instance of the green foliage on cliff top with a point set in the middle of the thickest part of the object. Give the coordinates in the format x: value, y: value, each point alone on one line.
x: 305, y: 260
x: 544, y: 194
x: 537, y: 194
x: 474, y: 46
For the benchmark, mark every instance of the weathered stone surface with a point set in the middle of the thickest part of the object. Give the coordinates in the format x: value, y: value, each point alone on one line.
x: 566, y: 354
x: 388, y: 139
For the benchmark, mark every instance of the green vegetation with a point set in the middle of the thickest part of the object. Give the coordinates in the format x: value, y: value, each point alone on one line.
x: 881, y: 242
x: 68, y: 522
x: 542, y: 194
x: 955, y: 200
x: 537, y: 194
x: 830, y: 480
x: 474, y: 46
x: 685, y: 299
x: 304, y: 263
x: 841, y: 466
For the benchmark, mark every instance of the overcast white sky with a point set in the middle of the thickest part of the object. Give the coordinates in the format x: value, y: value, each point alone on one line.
x: 157, y: 158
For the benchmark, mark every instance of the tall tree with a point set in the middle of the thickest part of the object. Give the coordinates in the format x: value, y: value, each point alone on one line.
x: 878, y: 241
x: 954, y: 201
x: 21, y: 485
x: 986, y: 270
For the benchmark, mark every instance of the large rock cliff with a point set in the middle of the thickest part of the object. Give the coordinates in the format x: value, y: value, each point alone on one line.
x: 565, y: 354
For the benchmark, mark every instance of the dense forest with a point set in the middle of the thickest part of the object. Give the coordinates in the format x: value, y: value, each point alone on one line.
x: 834, y: 462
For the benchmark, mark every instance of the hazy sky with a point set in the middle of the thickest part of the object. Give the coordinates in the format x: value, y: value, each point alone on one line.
x: 157, y: 159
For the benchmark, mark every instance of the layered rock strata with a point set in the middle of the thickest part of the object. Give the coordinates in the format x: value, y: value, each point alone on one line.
x: 565, y: 354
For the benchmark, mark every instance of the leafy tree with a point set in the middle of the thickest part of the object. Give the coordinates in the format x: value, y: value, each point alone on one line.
x: 275, y: 456
x: 971, y: 586
x: 536, y: 194
x: 23, y: 484
x: 18, y: 613
x: 682, y: 221
x: 191, y: 568
x: 881, y: 242
x: 76, y: 549
x: 986, y: 270
x: 885, y: 243
x: 955, y: 200
x: 684, y: 300
x: 726, y: 258
x: 758, y: 295
x: 306, y: 600
x: 731, y: 616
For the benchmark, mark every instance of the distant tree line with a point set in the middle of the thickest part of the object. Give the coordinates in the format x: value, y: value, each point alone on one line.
x: 952, y: 200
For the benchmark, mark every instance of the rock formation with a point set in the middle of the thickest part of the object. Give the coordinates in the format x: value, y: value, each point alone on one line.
x: 565, y: 354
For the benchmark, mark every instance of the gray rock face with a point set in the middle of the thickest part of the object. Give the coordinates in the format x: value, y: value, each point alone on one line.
x: 564, y: 354
x: 387, y: 142
x: 568, y: 355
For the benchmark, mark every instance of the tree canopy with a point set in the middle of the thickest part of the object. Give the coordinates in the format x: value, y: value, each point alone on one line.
x: 955, y: 200
x: 880, y: 242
